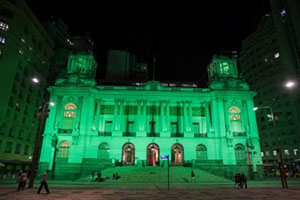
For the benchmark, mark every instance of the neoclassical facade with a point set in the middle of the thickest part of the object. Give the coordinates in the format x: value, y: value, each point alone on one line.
x: 95, y: 126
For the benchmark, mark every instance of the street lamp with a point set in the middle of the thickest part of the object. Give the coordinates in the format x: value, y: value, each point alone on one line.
x: 36, y: 153
x: 290, y: 84
x: 280, y: 162
x: 35, y: 80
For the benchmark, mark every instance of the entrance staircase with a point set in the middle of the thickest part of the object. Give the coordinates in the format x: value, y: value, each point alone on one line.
x: 149, y: 174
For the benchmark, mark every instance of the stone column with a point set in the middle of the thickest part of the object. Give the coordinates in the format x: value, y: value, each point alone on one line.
x: 97, y: 115
x: 207, y: 116
x: 180, y: 118
x: 227, y: 120
x: 244, y: 117
x: 253, y: 132
x: 162, y: 116
x: 185, y: 117
x: 190, y: 116
x: 121, y: 117
x: 168, y: 122
x: 139, y: 116
x: 144, y: 118
x: 116, y: 114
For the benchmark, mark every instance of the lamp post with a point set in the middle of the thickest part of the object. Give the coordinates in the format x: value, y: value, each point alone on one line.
x: 37, y: 148
x: 280, y: 162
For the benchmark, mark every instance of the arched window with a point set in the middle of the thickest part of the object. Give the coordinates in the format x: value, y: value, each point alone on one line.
x: 128, y: 153
x: 153, y: 155
x: 69, y: 116
x: 103, y: 151
x: 63, y: 151
x: 177, y: 154
x: 70, y: 110
x: 235, y: 114
x: 240, y: 153
x: 201, y: 152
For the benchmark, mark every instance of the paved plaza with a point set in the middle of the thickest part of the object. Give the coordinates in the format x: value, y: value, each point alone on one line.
x: 267, y: 189
x: 125, y: 194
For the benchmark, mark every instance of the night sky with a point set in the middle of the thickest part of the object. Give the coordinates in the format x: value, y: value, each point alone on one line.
x: 183, y: 36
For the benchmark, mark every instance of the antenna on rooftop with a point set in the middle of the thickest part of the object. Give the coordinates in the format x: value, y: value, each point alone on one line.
x: 153, y: 70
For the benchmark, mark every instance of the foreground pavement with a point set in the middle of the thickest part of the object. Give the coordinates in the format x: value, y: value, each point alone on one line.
x: 292, y: 193
x: 73, y: 190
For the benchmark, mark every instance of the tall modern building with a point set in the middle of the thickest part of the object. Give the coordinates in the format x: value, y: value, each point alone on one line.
x: 25, y: 50
x: 58, y: 32
x: 98, y: 126
x: 270, y: 57
x: 124, y: 66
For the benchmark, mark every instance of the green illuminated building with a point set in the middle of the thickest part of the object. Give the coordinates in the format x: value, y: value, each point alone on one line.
x: 269, y: 58
x: 25, y: 51
x: 97, y: 126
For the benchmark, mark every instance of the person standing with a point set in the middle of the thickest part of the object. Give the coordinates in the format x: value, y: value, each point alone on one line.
x: 93, y: 175
x: 243, y: 180
x: 44, y: 182
x: 237, y: 180
x: 22, y: 180
x: 193, y: 176
x: 99, y: 176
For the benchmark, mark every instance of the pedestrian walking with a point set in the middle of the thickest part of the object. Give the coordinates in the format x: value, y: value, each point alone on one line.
x: 44, y: 182
x: 193, y: 176
x: 22, y: 180
x: 243, y: 180
x: 93, y: 175
x: 237, y: 180
x: 99, y: 176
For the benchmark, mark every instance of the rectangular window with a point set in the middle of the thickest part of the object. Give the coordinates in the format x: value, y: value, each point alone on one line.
x: 275, y: 153
x: 8, y: 147
x: 174, y: 127
x: 26, y: 150
x: 21, y: 134
x: 2, y: 129
x: 108, y: 126
x: 11, y: 132
x: 267, y: 153
x: 196, y: 128
x: 286, y: 152
x: 262, y: 154
x: 296, y: 152
x: 4, y: 26
x: 18, y: 149
x: 276, y: 55
x: 2, y: 39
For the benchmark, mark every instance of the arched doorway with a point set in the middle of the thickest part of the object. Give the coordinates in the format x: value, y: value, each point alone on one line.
x: 128, y: 154
x: 63, y: 151
x: 152, y: 155
x: 103, y: 151
x: 177, y: 155
x: 201, y: 152
x: 240, y: 154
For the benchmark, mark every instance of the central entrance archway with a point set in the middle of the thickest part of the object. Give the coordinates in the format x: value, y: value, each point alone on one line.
x: 177, y: 154
x: 128, y: 154
x: 152, y: 155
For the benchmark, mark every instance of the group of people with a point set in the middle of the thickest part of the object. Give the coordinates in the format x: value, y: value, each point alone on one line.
x: 240, y: 180
x: 98, y: 179
x: 23, y: 179
x: 99, y: 176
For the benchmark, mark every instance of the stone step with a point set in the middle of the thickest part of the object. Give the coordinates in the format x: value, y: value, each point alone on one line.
x: 134, y: 174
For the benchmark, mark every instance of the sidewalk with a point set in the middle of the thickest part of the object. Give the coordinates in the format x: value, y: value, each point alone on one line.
x: 115, y: 184
x: 272, y: 193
